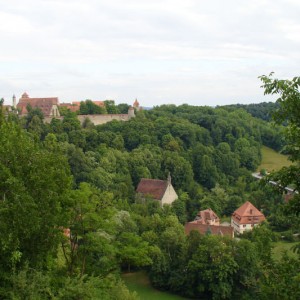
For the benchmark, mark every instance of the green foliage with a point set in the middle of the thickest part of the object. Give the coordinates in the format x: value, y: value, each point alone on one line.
x: 210, y: 153
x: 272, y: 160
x: 30, y: 284
x: 34, y: 185
x: 211, y: 269
x: 111, y: 108
x: 88, y: 107
x: 282, y: 280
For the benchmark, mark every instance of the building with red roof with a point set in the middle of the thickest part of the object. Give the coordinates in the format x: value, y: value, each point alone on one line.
x: 208, y: 229
x: 48, y: 106
x: 207, y: 216
x: 246, y: 217
x: 161, y: 190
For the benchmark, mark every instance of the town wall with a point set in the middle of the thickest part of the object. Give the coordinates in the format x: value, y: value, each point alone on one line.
x: 97, y: 119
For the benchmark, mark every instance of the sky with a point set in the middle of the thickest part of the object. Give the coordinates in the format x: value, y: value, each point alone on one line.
x: 158, y: 51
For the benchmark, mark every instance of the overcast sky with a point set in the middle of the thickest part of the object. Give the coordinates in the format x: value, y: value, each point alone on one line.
x: 158, y: 51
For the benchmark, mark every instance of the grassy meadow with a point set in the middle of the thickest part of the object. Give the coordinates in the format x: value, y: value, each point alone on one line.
x: 272, y: 160
x: 140, y: 283
x: 281, y: 247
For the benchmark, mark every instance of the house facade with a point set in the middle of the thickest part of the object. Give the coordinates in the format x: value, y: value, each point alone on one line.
x: 246, y: 217
x: 161, y: 190
x: 207, y: 222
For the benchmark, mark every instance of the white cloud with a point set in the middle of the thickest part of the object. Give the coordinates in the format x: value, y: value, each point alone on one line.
x: 159, y: 50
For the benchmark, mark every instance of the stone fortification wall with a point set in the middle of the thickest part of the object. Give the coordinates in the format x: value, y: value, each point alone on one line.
x: 97, y: 119
x: 102, y: 119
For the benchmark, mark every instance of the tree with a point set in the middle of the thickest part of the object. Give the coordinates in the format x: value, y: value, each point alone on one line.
x: 289, y: 114
x: 212, y: 268
x: 111, y: 107
x: 123, y: 108
x: 90, y: 249
x: 70, y: 122
x: 88, y: 107
x: 34, y: 187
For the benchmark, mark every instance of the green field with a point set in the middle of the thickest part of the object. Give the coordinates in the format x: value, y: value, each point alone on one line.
x: 272, y: 160
x: 139, y: 283
x: 281, y: 247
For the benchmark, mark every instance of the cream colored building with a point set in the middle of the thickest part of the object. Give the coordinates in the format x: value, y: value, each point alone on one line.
x: 246, y: 217
x: 161, y: 190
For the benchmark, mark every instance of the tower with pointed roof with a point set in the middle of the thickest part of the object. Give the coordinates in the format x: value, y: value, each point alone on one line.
x: 136, y: 105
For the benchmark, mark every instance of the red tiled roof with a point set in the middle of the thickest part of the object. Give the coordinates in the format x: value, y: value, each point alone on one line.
x: 248, y: 214
x: 99, y: 103
x: 152, y: 187
x: 204, y: 228
x: 44, y: 104
x: 72, y: 107
x: 207, y: 215
x: 136, y: 103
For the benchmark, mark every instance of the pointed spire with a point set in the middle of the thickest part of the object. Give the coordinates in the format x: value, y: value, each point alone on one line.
x: 169, y: 178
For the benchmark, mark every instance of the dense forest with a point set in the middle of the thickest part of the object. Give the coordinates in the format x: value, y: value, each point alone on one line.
x: 70, y: 223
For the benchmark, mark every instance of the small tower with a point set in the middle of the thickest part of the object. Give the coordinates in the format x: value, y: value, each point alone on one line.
x: 14, y: 101
x: 131, y: 112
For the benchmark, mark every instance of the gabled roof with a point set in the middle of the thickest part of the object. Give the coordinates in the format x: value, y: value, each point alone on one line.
x: 207, y: 215
x: 153, y: 187
x: 44, y: 104
x: 205, y: 228
x: 71, y: 106
x: 248, y: 214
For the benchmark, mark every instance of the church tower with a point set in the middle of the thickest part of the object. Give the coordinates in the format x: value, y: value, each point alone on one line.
x: 14, y: 102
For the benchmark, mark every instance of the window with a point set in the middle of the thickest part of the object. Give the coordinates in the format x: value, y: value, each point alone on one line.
x: 244, y: 225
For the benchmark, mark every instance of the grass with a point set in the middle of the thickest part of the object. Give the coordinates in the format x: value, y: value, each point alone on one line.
x: 140, y: 283
x: 280, y: 247
x: 272, y: 160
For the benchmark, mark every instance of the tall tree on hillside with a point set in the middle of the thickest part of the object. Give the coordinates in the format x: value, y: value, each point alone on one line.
x: 34, y: 183
x: 288, y: 113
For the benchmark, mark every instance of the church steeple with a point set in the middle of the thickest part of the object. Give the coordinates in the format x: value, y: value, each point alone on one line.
x: 169, y: 178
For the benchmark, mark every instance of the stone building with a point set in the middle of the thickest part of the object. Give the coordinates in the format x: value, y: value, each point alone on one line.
x: 48, y: 106
x: 161, y: 190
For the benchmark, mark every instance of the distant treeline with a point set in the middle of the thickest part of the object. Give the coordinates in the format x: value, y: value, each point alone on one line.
x: 262, y: 110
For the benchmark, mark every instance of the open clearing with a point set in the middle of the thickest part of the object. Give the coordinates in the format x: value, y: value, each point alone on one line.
x: 140, y: 283
x: 281, y: 247
x: 272, y: 160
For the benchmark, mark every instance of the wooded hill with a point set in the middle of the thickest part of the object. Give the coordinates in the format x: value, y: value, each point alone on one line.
x: 64, y: 176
